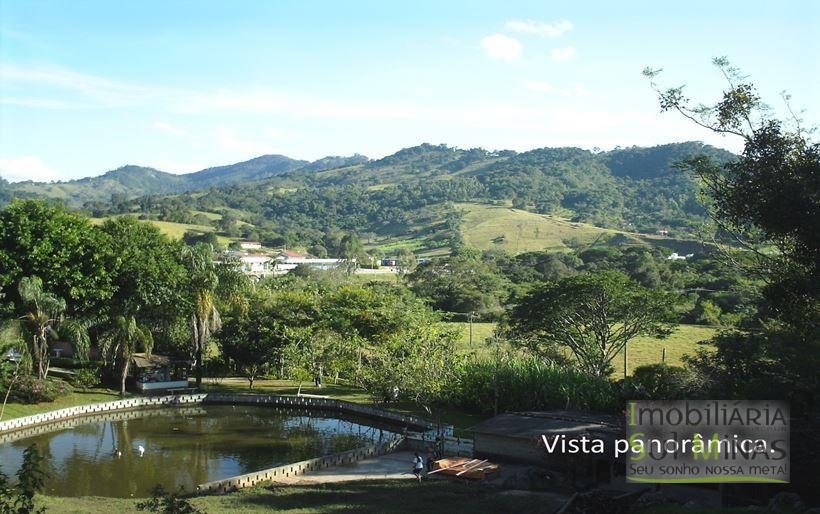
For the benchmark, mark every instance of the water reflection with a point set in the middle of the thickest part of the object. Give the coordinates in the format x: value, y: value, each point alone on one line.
x: 183, y: 447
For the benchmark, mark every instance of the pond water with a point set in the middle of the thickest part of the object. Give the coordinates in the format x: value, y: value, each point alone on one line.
x: 183, y: 447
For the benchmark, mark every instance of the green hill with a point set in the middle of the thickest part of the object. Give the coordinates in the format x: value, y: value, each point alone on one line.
x: 133, y: 181
x: 416, y: 197
x: 503, y: 228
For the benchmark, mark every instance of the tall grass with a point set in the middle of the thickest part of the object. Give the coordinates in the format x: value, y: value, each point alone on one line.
x: 526, y: 384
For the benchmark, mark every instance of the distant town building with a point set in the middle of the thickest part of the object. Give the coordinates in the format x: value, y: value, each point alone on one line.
x: 250, y: 245
x: 287, y: 260
x: 676, y: 257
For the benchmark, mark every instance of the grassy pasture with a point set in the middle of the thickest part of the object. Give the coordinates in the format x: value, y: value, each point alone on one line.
x: 642, y: 350
x: 503, y: 228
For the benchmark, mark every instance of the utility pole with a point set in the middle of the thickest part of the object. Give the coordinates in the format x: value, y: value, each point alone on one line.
x: 626, y: 358
x: 471, y: 329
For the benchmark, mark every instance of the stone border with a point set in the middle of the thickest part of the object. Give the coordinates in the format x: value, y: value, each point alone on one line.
x: 401, y: 420
x: 228, y: 485
x: 97, y: 408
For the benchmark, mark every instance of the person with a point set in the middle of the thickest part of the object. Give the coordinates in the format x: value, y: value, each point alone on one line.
x: 418, y: 466
x: 431, y: 458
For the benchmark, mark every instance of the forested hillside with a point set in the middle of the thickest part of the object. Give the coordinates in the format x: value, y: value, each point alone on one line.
x: 132, y: 181
x: 415, y: 197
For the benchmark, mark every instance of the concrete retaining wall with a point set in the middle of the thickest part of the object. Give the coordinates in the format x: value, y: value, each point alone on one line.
x: 310, y: 403
x: 96, y: 408
x: 298, y: 468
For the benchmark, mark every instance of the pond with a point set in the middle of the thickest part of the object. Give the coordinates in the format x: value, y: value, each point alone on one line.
x: 183, y: 447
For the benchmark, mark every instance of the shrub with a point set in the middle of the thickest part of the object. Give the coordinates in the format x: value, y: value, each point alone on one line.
x: 662, y: 382
x: 163, y: 502
x: 528, y: 384
x: 30, y: 389
x: 85, y: 379
x: 30, y: 478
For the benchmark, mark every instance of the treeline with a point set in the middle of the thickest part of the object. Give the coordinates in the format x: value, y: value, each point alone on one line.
x: 481, y: 284
x: 635, y: 189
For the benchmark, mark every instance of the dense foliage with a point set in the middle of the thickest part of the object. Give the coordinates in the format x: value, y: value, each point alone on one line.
x: 493, y: 386
x: 629, y: 188
x: 19, y: 498
x: 594, y: 315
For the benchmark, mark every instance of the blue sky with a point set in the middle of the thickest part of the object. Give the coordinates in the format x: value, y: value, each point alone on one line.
x: 87, y: 86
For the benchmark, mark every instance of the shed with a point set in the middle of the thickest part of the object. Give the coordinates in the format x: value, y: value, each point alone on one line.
x: 159, y: 372
x: 517, y: 437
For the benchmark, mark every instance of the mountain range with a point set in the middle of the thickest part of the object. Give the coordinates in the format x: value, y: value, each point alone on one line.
x: 634, y: 188
x: 132, y: 181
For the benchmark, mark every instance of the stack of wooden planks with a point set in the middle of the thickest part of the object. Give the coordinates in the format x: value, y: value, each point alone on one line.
x: 464, y: 467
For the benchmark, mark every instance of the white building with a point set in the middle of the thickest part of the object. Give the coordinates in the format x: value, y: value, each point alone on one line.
x: 287, y: 260
x: 250, y: 245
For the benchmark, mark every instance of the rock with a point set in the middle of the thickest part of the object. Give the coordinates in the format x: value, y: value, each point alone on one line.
x: 786, y: 502
x: 651, y: 499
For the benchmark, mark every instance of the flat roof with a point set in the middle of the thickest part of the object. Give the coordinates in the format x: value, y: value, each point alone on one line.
x: 527, y: 425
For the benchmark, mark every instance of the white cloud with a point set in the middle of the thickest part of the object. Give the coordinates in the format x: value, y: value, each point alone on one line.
x: 27, y: 167
x: 169, y: 129
x: 499, y: 46
x: 555, y: 29
x: 542, y: 87
x: 563, y: 54
x: 105, y: 91
x: 546, y: 87
x: 37, y: 103
x: 230, y: 139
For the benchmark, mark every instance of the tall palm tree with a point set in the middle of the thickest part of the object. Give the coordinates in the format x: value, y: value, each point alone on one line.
x: 45, y: 312
x: 124, y: 339
x: 205, y: 319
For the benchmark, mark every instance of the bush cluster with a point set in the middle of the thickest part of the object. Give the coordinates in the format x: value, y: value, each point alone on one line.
x: 30, y: 389
x: 527, y: 384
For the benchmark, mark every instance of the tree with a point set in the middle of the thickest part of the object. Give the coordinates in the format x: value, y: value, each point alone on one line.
x: 769, y: 194
x: 19, y: 499
x: 123, y: 340
x: 766, y: 197
x: 461, y: 284
x: 769, y: 197
x: 145, y: 270
x: 252, y: 340
x: 65, y: 250
x: 204, y: 317
x: 594, y: 314
x: 406, y: 260
x: 44, y: 314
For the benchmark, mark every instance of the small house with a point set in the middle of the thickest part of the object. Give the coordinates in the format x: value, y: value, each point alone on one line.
x: 158, y: 373
x: 250, y: 245
x: 521, y: 437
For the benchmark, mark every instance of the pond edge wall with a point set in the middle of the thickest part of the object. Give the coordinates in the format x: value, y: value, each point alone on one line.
x: 401, y: 420
x: 235, y: 483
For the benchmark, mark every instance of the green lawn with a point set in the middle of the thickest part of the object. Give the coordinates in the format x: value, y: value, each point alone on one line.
x: 481, y: 332
x: 176, y: 230
x: 643, y: 350
x: 371, y: 496
x: 16, y: 410
x: 648, y: 350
